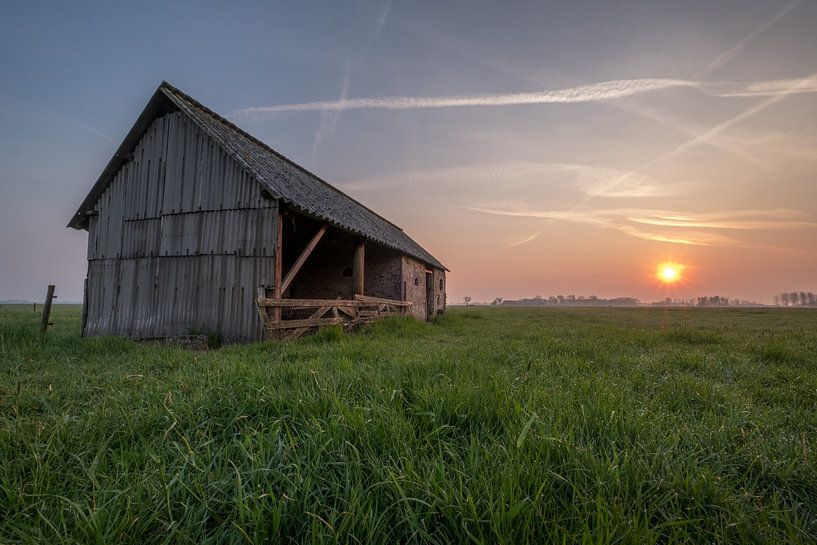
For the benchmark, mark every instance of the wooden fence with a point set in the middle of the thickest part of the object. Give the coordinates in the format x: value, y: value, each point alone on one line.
x: 301, y: 316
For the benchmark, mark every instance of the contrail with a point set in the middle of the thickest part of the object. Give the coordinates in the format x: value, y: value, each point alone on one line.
x: 776, y: 91
x: 330, y: 118
x: 607, y: 90
x: 586, y: 93
x: 735, y: 50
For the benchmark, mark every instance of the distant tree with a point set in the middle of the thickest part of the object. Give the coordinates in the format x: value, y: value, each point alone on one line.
x: 552, y: 300
x: 537, y: 298
x: 467, y: 300
x: 777, y: 299
x: 803, y: 299
x: 560, y: 298
x: 784, y: 299
x: 812, y: 299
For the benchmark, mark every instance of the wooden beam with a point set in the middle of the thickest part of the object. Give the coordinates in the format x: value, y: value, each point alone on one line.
x: 307, y: 303
x: 358, y: 268
x: 307, y: 322
x: 302, y: 258
x: 376, y: 300
x: 360, y: 300
x: 279, y: 260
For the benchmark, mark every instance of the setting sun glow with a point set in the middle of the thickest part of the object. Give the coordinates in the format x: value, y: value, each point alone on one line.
x: 669, y: 273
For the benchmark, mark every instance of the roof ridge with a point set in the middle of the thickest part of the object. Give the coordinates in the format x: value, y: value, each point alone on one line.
x: 166, y: 85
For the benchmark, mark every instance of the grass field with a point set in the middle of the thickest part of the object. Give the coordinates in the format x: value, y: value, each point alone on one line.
x: 490, y: 426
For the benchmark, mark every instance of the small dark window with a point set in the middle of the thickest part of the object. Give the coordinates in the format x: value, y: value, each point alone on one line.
x: 441, y: 283
x: 347, y: 271
x: 416, y: 281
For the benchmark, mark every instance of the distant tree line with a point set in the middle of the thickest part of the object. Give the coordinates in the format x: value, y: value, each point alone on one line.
x: 722, y: 301
x: 710, y: 301
x: 568, y: 300
x: 796, y: 299
x: 787, y: 299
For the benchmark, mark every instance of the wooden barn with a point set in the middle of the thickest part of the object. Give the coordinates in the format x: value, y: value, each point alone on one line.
x: 196, y: 227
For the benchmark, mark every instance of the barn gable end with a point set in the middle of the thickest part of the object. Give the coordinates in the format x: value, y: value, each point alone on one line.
x: 179, y: 240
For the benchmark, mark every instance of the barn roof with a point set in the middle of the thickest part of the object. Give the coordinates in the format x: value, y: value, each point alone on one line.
x: 282, y: 178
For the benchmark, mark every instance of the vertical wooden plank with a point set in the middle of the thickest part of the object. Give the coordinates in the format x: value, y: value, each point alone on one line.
x: 279, y: 235
x: 358, y: 268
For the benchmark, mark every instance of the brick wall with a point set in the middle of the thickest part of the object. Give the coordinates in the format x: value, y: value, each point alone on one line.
x: 383, y: 270
x: 439, y: 291
x: 414, y: 283
x: 327, y: 274
x: 322, y: 276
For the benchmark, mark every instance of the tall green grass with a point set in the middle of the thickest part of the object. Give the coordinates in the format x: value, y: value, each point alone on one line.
x: 486, y: 426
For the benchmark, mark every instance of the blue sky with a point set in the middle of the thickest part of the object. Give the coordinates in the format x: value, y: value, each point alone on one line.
x: 550, y: 197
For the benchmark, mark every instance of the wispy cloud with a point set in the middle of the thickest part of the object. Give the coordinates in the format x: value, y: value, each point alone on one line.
x: 596, y: 92
x: 591, y: 180
x: 608, y: 182
x: 678, y: 228
x: 513, y: 242
x: 780, y: 219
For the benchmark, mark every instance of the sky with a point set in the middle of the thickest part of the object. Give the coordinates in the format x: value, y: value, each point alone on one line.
x: 535, y: 148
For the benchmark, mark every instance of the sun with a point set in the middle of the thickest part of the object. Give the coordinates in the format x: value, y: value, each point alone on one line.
x: 669, y: 273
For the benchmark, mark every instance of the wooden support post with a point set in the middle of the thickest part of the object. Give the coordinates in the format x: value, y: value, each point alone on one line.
x: 47, y: 308
x: 261, y: 294
x: 302, y: 258
x: 279, y: 258
x: 359, y: 266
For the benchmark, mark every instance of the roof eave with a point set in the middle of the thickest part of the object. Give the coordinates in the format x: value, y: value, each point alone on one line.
x: 308, y: 213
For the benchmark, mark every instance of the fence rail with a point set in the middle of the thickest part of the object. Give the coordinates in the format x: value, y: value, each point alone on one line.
x: 301, y: 316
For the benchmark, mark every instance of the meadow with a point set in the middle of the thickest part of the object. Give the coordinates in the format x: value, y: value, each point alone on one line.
x: 490, y: 425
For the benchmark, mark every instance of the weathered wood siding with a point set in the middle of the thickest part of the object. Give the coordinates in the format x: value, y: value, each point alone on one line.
x: 180, y: 241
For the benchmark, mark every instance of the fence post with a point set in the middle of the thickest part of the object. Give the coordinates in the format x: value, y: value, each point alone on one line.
x: 47, y: 308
